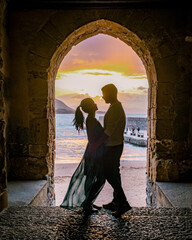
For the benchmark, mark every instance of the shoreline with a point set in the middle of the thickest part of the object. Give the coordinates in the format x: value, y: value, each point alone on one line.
x: 126, y: 161
x: 133, y: 176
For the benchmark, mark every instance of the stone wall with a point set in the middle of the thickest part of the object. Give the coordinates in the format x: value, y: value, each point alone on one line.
x: 3, y: 121
x: 40, y: 39
x: 190, y: 134
x: 28, y: 133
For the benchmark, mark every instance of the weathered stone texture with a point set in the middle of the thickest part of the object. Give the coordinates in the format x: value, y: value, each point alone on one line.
x: 38, y: 42
x: 149, y: 35
x: 56, y: 223
x: 28, y: 168
x: 3, y: 120
x: 3, y: 199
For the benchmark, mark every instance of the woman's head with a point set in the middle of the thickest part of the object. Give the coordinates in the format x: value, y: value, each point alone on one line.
x: 88, y: 106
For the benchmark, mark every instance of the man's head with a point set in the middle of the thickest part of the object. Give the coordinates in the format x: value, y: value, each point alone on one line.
x: 109, y: 93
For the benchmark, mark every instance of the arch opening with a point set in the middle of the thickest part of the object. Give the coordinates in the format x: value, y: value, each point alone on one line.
x: 117, y: 31
x: 132, y: 80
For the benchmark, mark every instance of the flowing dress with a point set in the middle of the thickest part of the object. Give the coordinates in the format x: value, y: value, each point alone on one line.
x: 88, y: 179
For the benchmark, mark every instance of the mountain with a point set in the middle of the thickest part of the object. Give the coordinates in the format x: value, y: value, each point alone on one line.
x: 61, y: 108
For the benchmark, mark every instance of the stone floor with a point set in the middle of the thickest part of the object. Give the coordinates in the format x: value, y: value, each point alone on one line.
x: 178, y: 194
x: 24, y: 192
x: 29, y: 222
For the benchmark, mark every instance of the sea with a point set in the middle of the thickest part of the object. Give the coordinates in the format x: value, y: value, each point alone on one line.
x: 70, y: 145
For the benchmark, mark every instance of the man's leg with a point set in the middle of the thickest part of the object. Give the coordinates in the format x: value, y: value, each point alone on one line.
x: 112, y: 171
x: 112, y: 174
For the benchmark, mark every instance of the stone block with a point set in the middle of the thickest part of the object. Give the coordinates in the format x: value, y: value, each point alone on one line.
x: 53, y: 31
x: 164, y: 129
x: 17, y: 150
x: 22, y: 135
x: 153, y: 97
x: 153, y: 128
x: 165, y: 112
x: 44, y: 45
x: 3, y: 200
x: 41, y: 199
x: 152, y: 113
x: 182, y: 102
x: 38, y: 150
x: 28, y: 168
x: 165, y: 94
x: 167, y: 171
x: 28, y: 29
x: 164, y: 149
x: 37, y: 62
x: 151, y: 192
x: 62, y: 17
x: 39, y: 131
x: 181, y: 128
x: 167, y: 70
x: 162, y: 200
x: 2, y: 153
x: 37, y: 82
x: 38, y: 107
x: 3, y: 178
x: 166, y: 47
x: 1, y: 62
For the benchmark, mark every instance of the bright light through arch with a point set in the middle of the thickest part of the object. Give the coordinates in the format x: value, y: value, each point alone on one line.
x: 97, y: 61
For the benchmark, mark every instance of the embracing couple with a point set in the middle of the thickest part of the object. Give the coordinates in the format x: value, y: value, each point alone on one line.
x: 101, y: 160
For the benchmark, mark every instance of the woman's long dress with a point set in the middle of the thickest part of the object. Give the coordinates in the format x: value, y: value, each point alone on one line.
x: 88, y: 179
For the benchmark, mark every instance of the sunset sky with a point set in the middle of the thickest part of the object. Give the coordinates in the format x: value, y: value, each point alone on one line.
x: 97, y: 61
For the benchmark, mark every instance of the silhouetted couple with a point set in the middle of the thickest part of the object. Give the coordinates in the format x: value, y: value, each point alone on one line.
x: 101, y: 160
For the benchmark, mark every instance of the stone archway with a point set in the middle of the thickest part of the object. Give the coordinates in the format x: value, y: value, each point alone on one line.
x: 80, y: 34
x: 46, y: 126
x: 40, y: 50
x: 117, y: 31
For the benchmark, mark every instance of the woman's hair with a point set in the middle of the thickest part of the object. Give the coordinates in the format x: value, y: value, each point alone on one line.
x: 86, y: 105
x: 78, y: 121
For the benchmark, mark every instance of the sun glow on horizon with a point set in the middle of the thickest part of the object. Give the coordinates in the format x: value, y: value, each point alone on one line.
x: 90, y: 81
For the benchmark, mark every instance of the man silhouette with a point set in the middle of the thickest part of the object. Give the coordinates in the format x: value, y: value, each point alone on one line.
x: 114, y: 125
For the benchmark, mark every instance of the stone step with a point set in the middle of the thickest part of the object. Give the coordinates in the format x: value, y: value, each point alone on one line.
x: 32, y: 222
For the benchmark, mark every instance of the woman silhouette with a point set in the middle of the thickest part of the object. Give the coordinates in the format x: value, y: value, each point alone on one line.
x: 88, y: 179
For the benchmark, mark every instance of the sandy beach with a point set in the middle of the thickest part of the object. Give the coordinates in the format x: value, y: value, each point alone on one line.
x: 133, y: 175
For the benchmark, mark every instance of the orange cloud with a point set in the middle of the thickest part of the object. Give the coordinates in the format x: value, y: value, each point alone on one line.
x: 103, y: 52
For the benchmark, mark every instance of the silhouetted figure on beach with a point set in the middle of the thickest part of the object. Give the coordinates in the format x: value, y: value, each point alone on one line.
x: 88, y: 179
x: 133, y: 130
x: 114, y: 125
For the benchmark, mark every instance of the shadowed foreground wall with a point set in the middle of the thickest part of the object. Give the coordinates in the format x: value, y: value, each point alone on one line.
x: 3, y: 120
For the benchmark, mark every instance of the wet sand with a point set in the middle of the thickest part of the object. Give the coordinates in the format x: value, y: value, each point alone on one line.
x: 133, y: 176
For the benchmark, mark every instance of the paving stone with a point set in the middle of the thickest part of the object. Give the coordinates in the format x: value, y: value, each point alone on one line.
x: 30, y: 222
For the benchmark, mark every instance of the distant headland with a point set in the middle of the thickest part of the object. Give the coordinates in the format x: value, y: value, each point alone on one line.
x: 62, y: 108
